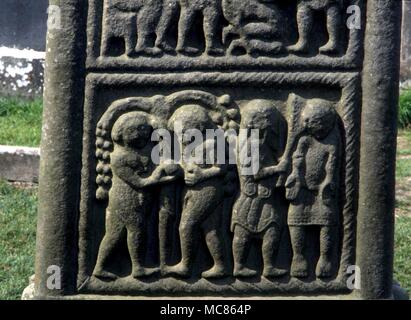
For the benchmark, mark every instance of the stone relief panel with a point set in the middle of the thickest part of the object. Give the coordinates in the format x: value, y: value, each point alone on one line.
x: 138, y: 33
x: 211, y: 148
x: 212, y: 227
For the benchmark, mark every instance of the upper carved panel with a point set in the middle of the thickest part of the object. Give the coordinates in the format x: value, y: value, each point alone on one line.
x: 215, y: 34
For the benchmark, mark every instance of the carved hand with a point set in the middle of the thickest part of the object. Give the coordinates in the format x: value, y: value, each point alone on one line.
x: 282, y: 166
x: 172, y: 169
x: 293, y: 187
x: 158, y: 173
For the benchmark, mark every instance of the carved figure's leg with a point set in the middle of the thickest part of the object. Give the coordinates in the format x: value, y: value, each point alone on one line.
x: 215, y: 244
x: 299, y: 265
x: 125, y: 31
x: 166, y: 219
x: 271, y: 244
x: 186, y: 21
x: 169, y: 10
x: 115, y: 230
x: 146, y: 21
x: 333, y: 25
x: 266, y: 15
x: 241, y: 247
x: 327, y: 244
x: 130, y: 37
x: 105, y: 41
x: 305, y: 23
x: 211, y: 18
x: 192, y: 218
x: 259, y: 30
x: 136, y: 245
x: 240, y: 45
x: 228, y: 31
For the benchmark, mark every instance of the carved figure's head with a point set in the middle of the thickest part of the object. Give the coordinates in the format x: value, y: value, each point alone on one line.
x: 258, y: 114
x: 132, y: 130
x: 319, y: 117
x: 190, y: 117
x: 261, y: 115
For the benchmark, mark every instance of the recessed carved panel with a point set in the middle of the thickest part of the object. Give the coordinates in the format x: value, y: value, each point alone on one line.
x: 214, y: 228
x: 199, y: 34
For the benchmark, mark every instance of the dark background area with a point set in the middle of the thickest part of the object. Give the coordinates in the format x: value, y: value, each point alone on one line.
x: 23, y: 23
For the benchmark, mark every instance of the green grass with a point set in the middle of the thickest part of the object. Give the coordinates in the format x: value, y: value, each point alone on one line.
x: 405, y: 148
x: 402, y: 265
x: 404, y: 113
x: 17, y: 239
x: 20, y: 122
x: 403, y: 168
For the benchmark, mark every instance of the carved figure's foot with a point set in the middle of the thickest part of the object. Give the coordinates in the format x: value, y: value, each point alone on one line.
x: 215, y: 51
x: 271, y: 272
x: 237, y: 46
x: 144, y: 272
x: 129, y: 53
x: 180, y: 270
x: 258, y: 47
x: 215, y: 272
x: 187, y: 50
x: 276, y: 47
x: 243, y: 272
x: 324, y: 268
x: 148, y: 51
x: 165, y: 47
x: 102, y: 274
x: 299, y: 47
x: 299, y: 267
x: 330, y: 47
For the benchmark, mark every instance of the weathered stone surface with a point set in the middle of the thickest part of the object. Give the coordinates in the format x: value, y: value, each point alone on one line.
x: 22, y: 45
x: 406, y: 44
x: 21, y: 76
x: 302, y: 103
x: 19, y: 164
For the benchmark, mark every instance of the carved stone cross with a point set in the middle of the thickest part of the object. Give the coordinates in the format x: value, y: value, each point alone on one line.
x: 219, y: 148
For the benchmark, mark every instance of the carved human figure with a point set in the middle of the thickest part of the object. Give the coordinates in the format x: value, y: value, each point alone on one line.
x: 313, y: 186
x: 211, y: 13
x: 166, y: 219
x: 169, y: 13
x: 305, y: 21
x: 257, y: 213
x: 133, y: 175
x: 254, y: 25
x: 132, y: 20
x: 203, y: 197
